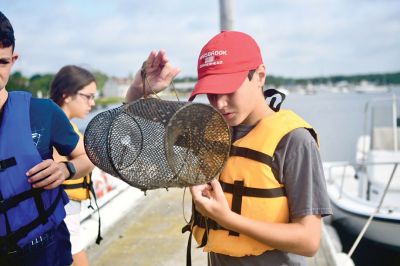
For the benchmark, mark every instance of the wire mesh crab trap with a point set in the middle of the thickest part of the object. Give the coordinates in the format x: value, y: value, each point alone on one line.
x: 153, y: 143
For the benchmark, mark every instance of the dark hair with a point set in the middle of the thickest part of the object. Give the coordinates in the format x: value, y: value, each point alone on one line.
x: 251, y: 74
x: 68, y: 81
x: 6, y: 32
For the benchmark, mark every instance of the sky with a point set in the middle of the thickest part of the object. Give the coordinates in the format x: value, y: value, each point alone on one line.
x: 298, y: 38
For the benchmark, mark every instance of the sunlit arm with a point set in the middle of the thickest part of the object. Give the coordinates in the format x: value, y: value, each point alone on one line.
x: 80, y: 160
x: 300, y: 236
x: 49, y: 174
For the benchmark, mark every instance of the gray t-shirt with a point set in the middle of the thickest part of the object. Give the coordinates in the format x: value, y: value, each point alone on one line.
x: 297, y: 165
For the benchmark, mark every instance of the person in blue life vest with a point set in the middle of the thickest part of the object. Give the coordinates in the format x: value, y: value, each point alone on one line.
x: 266, y: 206
x: 32, y: 230
x: 74, y: 89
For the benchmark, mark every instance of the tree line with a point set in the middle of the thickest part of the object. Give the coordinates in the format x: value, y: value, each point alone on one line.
x: 39, y: 84
x: 276, y: 81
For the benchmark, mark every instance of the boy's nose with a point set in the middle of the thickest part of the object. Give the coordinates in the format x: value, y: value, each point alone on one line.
x: 221, y: 101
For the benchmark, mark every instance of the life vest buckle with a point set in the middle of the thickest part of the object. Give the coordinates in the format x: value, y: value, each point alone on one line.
x: 4, y: 164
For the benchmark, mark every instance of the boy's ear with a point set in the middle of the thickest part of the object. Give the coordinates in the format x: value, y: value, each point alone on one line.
x: 14, y: 57
x: 261, y: 73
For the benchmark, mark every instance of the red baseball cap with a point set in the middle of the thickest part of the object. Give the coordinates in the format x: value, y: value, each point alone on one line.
x: 224, y: 63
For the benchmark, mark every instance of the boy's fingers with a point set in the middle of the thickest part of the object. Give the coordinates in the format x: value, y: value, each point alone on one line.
x: 39, y: 167
x: 216, y: 187
x: 157, y: 60
x: 150, y: 59
x: 54, y: 184
x: 163, y: 57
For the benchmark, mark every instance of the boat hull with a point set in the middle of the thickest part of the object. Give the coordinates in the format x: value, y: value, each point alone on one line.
x: 381, y: 230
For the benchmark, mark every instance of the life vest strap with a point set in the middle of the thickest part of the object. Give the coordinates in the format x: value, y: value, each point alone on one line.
x: 237, y: 195
x: 39, y: 204
x: 200, y: 221
x: 75, y: 186
x: 251, y: 154
x: 4, y: 164
x: 12, y: 202
x: 238, y: 191
x: 255, y: 192
x: 91, y: 188
x: 189, y: 250
x: 14, y: 237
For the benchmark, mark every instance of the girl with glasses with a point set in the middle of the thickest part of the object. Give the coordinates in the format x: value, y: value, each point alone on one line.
x: 74, y: 90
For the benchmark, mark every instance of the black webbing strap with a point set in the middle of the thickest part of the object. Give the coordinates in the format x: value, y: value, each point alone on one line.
x: 188, y: 227
x: 8, y: 227
x: 251, y: 154
x: 39, y: 204
x: 255, y: 192
x: 15, y: 200
x: 189, y: 250
x: 4, y: 164
x: 85, y: 184
x: 75, y: 186
x: 200, y: 221
x: 14, y: 237
x: 99, y: 238
x: 238, y: 189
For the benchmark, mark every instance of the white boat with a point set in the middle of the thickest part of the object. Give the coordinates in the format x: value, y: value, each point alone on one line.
x: 371, y: 186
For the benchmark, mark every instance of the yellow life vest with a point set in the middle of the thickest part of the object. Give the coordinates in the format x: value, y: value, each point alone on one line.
x: 79, y: 188
x: 250, y: 186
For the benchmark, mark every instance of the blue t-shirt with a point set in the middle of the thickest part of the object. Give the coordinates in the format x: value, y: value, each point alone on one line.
x: 51, y: 128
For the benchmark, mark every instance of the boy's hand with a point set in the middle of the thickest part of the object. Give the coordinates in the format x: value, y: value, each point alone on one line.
x: 210, y: 201
x: 159, y: 74
x: 47, y: 174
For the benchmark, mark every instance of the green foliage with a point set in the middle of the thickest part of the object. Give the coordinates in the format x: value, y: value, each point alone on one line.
x: 17, y: 82
x: 101, y: 79
x: 39, y: 85
x: 105, y: 101
x: 185, y: 79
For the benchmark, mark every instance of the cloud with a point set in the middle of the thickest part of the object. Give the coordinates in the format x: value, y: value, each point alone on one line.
x: 297, y: 38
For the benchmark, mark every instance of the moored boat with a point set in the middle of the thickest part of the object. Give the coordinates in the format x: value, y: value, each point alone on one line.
x: 370, y: 188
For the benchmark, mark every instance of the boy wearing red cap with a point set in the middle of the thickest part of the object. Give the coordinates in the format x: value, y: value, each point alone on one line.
x: 267, y: 204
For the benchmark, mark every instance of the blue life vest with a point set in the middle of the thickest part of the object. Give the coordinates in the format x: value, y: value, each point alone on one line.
x: 25, y: 213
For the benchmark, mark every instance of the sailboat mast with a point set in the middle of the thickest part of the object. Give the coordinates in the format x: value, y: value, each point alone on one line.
x: 226, y: 14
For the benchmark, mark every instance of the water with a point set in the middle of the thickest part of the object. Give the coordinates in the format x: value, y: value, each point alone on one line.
x: 82, y: 123
x: 368, y: 253
x: 338, y: 119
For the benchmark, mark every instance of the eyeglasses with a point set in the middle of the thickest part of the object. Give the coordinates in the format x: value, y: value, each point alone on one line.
x: 88, y: 97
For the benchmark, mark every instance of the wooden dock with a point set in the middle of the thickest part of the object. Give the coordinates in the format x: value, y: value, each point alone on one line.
x: 150, y: 234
